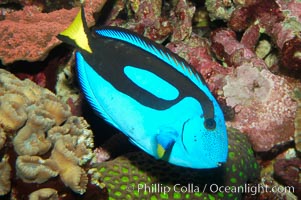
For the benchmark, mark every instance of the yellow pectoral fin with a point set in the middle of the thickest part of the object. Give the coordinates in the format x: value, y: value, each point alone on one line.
x: 76, y: 32
x: 160, y: 151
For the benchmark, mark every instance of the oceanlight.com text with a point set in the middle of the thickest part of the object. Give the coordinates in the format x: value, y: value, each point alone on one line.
x: 212, y: 188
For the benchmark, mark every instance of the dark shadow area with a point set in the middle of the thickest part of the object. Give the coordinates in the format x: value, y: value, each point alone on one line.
x: 44, y: 73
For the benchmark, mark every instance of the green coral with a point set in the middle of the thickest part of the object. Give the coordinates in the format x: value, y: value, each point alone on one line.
x: 139, y: 176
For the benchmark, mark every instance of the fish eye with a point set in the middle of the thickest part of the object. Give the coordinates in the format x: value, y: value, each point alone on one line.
x: 210, y: 123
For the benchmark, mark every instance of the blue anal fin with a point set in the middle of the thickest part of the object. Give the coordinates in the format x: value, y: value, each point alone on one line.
x: 89, y: 80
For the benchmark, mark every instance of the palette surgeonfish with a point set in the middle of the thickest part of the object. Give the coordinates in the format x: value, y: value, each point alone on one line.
x: 150, y: 94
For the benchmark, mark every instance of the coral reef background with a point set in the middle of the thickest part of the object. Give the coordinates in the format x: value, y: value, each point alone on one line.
x: 52, y: 145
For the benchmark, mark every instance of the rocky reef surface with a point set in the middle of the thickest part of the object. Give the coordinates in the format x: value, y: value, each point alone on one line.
x: 247, y: 51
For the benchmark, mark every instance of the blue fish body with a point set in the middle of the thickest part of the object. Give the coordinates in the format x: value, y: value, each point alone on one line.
x: 151, y: 95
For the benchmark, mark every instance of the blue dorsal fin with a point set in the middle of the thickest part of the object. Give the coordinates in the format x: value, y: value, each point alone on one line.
x: 84, y: 71
x: 155, y: 49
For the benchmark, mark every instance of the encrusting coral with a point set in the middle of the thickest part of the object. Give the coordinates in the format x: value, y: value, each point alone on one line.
x: 49, y: 142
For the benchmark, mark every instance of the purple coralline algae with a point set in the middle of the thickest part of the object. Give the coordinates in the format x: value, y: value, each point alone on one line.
x: 264, y: 109
x: 262, y: 100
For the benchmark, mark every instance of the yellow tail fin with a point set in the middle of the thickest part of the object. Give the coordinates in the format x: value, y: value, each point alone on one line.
x: 77, y: 32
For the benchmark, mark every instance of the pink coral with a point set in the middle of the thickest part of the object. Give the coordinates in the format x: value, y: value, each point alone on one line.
x: 262, y: 101
x: 264, y: 108
x: 29, y: 34
x: 47, y: 5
